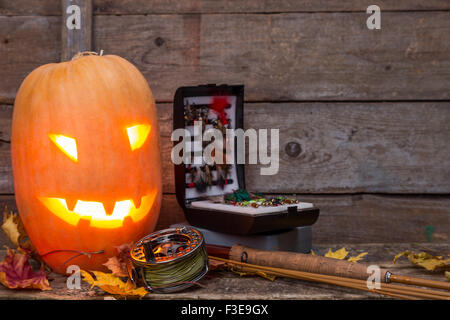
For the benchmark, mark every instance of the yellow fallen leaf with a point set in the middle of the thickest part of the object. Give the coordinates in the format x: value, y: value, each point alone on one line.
x: 262, y: 274
x: 88, y: 278
x: 338, y: 254
x: 358, y: 257
x: 11, y: 226
x: 113, y: 284
x: 399, y: 255
x: 424, y: 260
x: 447, y: 275
x: 313, y: 253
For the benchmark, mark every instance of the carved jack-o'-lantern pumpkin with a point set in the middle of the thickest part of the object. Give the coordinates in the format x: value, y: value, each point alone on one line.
x: 86, y: 159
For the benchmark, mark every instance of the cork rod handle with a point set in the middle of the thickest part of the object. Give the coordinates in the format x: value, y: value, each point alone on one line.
x: 302, y: 262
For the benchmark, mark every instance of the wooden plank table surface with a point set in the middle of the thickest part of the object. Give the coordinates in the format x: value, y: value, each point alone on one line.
x: 228, y: 285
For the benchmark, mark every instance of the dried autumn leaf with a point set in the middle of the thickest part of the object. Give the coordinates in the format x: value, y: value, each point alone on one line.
x: 11, y: 226
x: 17, y: 273
x: 313, y: 253
x: 15, y: 231
x: 113, y: 284
x: 447, y: 275
x: 118, y: 263
x: 338, y: 254
x: 114, y: 265
x: 424, y: 260
x: 244, y: 273
x: 358, y: 257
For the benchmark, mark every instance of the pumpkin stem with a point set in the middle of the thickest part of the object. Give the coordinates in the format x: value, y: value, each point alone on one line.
x: 87, y: 53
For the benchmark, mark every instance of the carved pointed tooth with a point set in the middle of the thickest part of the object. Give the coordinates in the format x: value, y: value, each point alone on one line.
x: 137, y: 201
x: 71, y: 203
x: 109, y: 207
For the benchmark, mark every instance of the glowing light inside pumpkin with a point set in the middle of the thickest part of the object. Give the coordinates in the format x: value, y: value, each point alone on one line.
x: 137, y: 135
x: 95, y: 212
x: 65, y: 144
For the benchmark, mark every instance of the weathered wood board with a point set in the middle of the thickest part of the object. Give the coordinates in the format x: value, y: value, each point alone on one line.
x: 228, y: 285
x: 258, y: 6
x: 279, y: 57
x: 6, y: 178
x: 356, y: 147
x: 52, y: 7
x: 288, y: 56
x: 25, y: 44
x: 76, y: 29
x: 381, y: 218
x: 344, y: 147
x: 352, y: 219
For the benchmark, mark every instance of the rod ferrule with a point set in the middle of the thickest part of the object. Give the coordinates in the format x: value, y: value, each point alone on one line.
x: 387, y: 278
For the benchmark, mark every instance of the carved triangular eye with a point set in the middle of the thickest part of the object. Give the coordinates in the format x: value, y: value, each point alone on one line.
x: 138, y: 134
x: 65, y: 144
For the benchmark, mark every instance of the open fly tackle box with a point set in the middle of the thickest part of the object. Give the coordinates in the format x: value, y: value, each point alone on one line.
x: 198, y: 184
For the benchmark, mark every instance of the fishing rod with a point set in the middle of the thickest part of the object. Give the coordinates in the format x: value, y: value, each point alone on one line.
x: 314, y: 264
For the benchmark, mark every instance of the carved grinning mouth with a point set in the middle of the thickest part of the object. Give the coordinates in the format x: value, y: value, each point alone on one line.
x: 95, y: 211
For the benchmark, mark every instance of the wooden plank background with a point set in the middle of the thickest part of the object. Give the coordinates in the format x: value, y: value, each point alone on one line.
x: 53, y: 7
x: 279, y: 57
x: 369, y: 109
x: 76, y: 40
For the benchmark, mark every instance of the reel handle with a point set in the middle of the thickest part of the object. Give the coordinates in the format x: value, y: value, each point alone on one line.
x: 148, y: 252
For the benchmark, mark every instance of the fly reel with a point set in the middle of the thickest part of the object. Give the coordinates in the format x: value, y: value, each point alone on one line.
x: 169, y: 260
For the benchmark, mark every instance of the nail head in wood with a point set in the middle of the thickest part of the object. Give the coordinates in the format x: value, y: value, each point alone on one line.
x: 159, y: 41
x: 293, y: 149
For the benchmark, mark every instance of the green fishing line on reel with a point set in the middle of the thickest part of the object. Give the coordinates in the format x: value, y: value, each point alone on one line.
x: 169, y: 260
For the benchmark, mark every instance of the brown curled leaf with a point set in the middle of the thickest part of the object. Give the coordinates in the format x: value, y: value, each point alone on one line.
x: 118, y: 263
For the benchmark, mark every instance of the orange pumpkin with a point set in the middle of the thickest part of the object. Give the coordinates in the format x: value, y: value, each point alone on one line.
x: 86, y: 159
